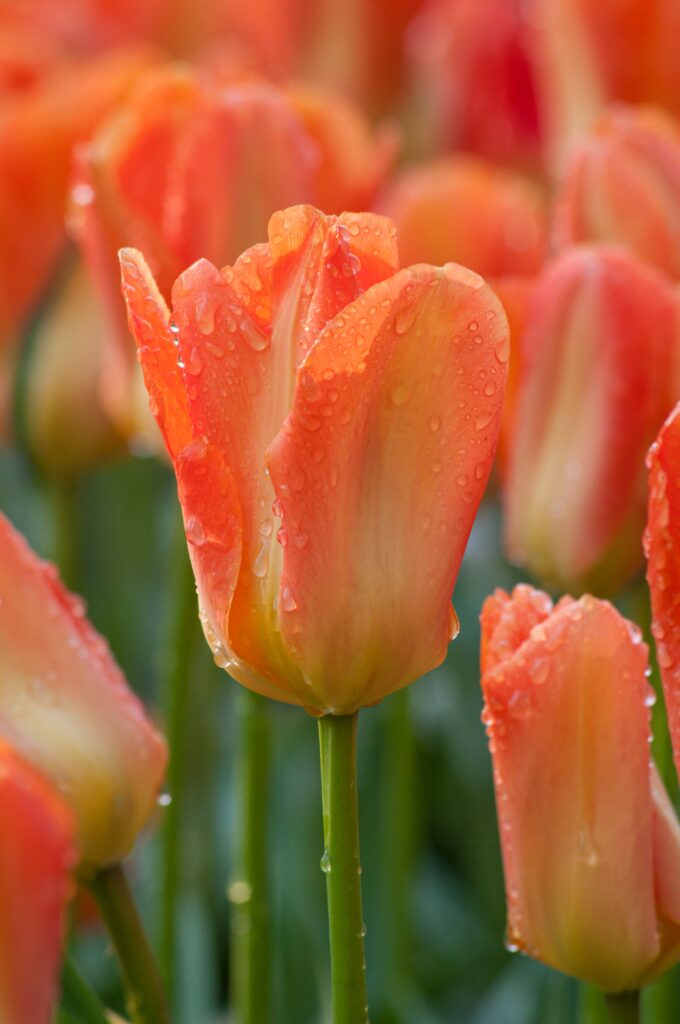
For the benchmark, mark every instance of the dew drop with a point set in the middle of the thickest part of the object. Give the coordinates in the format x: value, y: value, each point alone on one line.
x: 195, y: 532
x: 194, y: 364
x: 400, y: 395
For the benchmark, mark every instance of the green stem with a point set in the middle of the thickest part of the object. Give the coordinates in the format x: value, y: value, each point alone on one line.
x: 624, y: 1008
x: 342, y: 867
x: 78, y: 994
x: 145, y: 997
x: 180, y: 645
x: 249, y: 890
x: 65, y: 516
x: 399, y: 832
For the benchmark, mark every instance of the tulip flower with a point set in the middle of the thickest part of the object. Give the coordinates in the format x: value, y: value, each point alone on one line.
x: 591, y: 844
x: 472, y: 75
x: 66, y: 708
x: 37, y: 855
x: 332, y: 422
x: 597, y: 380
x: 662, y: 547
x: 357, y: 404
x: 191, y: 168
x: 622, y: 185
x: 465, y: 210
x: 587, y: 55
x: 66, y: 426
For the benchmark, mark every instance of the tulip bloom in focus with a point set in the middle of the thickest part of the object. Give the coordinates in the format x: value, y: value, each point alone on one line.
x: 66, y: 707
x: 194, y: 167
x: 591, y: 844
x: 662, y: 547
x: 596, y: 381
x: 37, y: 855
x: 623, y: 185
x: 332, y: 421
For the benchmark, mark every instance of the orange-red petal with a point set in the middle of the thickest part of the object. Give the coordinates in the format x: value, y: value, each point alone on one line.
x: 37, y: 855
x: 66, y: 707
x: 378, y: 470
x: 662, y: 547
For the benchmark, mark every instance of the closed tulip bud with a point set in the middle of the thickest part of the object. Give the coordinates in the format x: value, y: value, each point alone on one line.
x: 622, y: 186
x: 332, y: 422
x: 464, y: 210
x: 66, y: 707
x: 591, y: 844
x: 37, y: 855
x: 662, y: 547
x: 67, y: 428
x: 596, y: 382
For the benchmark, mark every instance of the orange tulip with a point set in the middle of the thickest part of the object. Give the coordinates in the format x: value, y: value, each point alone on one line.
x: 466, y: 210
x: 191, y: 168
x: 36, y: 856
x: 623, y: 186
x: 66, y: 708
x: 473, y: 79
x: 587, y: 55
x: 662, y: 547
x: 596, y: 382
x: 359, y: 405
x: 591, y: 844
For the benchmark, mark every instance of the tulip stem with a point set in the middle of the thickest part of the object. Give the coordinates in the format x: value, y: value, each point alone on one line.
x: 146, y: 1001
x: 624, y: 1008
x: 342, y: 867
x: 65, y: 513
x: 249, y: 889
x: 77, y: 992
x: 184, y: 628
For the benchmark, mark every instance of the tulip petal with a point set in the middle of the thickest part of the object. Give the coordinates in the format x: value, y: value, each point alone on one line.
x: 36, y: 856
x: 662, y: 548
x: 66, y: 707
x: 149, y: 319
x: 507, y: 620
x: 666, y: 843
x: 568, y: 728
x: 373, y: 487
